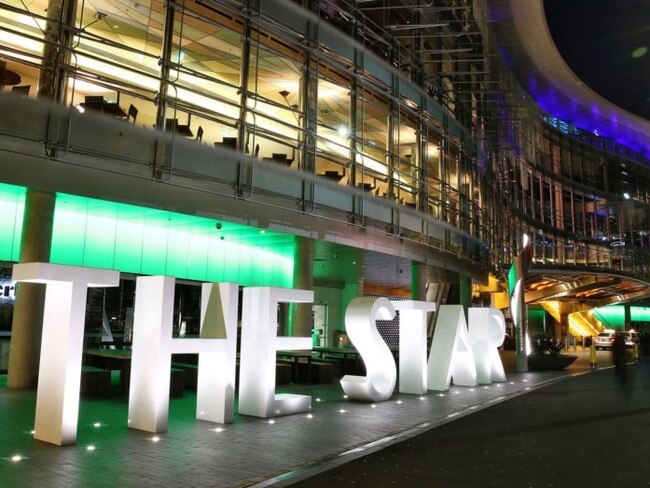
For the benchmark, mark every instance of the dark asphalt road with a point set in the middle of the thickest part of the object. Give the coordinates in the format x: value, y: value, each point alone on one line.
x: 588, y: 431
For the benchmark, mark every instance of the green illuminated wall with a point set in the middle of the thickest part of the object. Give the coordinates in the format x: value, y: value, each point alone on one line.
x: 537, y: 321
x: 100, y: 234
x: 12, y: 204
x: 614, y: 316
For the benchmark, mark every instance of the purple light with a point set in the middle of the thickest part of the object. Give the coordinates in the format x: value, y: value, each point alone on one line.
x: 607, y: 128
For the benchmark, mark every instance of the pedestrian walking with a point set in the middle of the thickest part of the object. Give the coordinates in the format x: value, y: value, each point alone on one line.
x: 619, y: 356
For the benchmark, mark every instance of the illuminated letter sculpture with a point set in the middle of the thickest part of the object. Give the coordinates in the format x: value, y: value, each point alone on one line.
x: 259, y: 344
x: 487, y: 330
x: 153, y: 346
x: 360, y: 323
x: 451, y: 351
x: 59, y: 375
x: 413, y: 345
x: 215, y: 388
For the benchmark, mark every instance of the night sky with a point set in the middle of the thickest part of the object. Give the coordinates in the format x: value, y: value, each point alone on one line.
x: 607, y: 45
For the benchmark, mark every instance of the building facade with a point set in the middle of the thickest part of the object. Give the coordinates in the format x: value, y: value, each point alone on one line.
x: 350, y: 148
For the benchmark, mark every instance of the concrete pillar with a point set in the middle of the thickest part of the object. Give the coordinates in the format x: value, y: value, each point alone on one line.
x: 303, y: 279
x: 562, y: 327
x: 564, y: 320
x: 30, y: 298
x: 418, y: 281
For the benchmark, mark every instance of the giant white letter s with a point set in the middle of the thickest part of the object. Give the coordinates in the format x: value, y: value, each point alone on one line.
x: 360, y: 318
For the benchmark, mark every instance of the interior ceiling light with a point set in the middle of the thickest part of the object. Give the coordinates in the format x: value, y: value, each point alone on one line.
x: 98, y: 16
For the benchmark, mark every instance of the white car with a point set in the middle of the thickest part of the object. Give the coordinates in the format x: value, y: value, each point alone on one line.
x: 631, y: 338
x: 604, y: 339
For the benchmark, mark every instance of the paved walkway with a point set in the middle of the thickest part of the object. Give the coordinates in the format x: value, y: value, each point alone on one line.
x: 589, y: 431
x: 250, y: 452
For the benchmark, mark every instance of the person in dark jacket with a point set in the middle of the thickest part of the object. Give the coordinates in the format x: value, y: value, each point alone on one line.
x: 619, y: 356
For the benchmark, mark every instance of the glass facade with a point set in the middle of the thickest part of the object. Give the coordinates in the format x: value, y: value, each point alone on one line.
x: 399, y: 102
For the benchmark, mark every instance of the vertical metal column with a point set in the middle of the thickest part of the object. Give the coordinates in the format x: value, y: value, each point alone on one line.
x: 309, y: 105
x: 244, y: 78
x: 309, y: 97
x: 352, y: 171
x: 353, y: 179
x: 165, y: 60
x: 392, y: 192
x: 52, y: 82
x: 444, y: 183
x: 390, y: 149
x: 244, y: 167
x: 422, y: 165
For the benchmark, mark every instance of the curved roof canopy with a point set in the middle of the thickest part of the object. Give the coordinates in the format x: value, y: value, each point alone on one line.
x: 593, y: 287
x: 530, y: 51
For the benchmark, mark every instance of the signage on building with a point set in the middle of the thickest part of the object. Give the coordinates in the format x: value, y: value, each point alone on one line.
x: 7, y: 290
x: 468, y: 355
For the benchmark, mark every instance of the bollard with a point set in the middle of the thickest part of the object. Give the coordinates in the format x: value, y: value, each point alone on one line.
x: 592, y: 356
x: 635, y: 353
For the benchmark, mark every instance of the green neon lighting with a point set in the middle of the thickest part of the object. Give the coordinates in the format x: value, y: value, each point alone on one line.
x: 614, y: 315
x: 640, y: 314
x: 96, y: 233
x: 12, y: 204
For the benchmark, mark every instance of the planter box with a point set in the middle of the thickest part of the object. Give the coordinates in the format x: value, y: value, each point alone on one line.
x: 549, y: 363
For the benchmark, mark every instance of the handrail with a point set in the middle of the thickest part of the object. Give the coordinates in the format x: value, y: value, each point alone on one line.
x: 100, y: 146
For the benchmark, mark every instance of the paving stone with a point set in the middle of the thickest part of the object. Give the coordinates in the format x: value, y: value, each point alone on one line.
x: 192, y: 454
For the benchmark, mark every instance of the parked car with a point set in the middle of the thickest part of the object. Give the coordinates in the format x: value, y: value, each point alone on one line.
x: 605, y: 338
x: 631, y: 338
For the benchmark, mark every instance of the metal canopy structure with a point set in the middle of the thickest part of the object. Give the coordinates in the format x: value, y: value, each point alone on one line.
x: 589, y: 286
